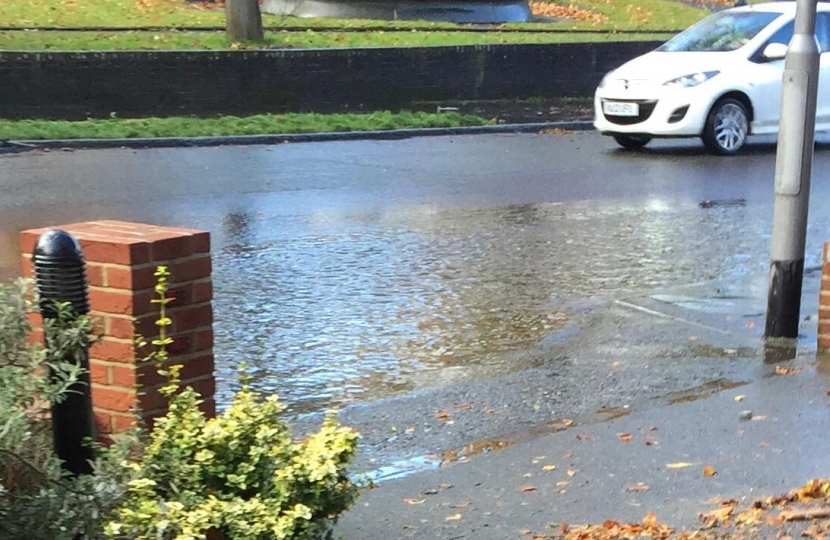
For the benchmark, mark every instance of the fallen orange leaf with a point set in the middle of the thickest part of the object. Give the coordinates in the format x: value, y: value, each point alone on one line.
x: 638, y: 487
x: 527, y: 489
x: 442, y: 415
x: 624, y: 437
x: 709, y: 471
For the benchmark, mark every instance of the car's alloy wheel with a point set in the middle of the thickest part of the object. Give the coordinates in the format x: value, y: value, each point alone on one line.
x: 632, y: 142
x: 726, y: 127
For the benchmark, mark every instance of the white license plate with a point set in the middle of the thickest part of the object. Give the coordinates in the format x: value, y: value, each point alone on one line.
x: 616, y: 108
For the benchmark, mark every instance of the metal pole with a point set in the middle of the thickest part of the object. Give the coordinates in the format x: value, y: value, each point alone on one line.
x: 60, y: 276
x: 793, y: 167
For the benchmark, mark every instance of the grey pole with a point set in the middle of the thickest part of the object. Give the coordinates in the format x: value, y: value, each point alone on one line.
x: 793, y: 167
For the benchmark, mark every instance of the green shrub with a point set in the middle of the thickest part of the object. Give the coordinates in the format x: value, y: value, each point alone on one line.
x: 37, y: 499
x: 239, y: 473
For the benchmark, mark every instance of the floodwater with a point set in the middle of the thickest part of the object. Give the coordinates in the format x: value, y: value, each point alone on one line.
x: 345, y: 272
x: 338, y: 307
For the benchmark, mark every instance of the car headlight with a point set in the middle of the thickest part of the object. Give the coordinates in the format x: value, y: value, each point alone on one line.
x: 687, y: 81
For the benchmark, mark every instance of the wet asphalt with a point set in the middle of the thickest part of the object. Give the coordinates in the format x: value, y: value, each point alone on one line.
x: 459, y: 297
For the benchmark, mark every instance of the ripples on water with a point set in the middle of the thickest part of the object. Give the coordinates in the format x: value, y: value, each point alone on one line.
x: 331, y: 308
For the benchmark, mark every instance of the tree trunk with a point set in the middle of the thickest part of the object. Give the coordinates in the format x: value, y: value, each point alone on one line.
x: 244, y: 20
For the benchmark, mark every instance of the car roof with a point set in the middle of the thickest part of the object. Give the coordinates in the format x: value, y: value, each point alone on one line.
x: 778, y: 7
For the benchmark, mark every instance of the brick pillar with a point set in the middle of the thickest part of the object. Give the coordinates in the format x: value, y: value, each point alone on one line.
x: 824, y: 301
x: 121, y: 260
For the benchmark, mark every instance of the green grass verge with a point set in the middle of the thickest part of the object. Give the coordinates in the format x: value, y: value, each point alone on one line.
x: 116, y: 128
x: 122, y: 41
x: 621, y: 15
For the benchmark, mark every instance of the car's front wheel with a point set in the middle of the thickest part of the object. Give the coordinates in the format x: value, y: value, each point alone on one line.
x: 727, y: 127
x: 632, y: 142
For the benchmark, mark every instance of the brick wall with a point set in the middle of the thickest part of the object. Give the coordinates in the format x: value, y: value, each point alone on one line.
x: 79, y: 85
x: 824, y: 301
x: 121, y: 261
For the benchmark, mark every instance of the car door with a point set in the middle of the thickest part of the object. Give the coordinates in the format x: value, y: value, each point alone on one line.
x: 765, y: 88
x: 823, y: 100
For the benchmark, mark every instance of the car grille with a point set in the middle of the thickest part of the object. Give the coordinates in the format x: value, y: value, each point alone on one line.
x: 646, y: 108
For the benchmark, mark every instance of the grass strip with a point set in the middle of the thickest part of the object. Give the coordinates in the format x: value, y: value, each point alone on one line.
x: 132, y: 128
x: 132, y: 41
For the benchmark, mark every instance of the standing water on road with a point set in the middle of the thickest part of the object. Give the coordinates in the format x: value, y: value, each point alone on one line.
x: 336, y: 307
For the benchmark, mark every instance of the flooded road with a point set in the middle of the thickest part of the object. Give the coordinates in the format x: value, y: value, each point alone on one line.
x: 351, y: 271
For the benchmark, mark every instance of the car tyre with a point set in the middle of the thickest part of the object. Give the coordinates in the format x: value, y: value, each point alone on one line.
x: 632, y: 142
x: 727, y: 127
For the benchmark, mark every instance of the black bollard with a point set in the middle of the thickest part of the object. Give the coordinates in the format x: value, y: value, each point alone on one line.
x: 60, y: 276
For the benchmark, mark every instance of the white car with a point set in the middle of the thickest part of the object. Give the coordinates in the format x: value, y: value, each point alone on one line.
x: 720, y: 80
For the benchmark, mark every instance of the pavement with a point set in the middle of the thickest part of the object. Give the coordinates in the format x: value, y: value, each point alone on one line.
x: 760, y: 430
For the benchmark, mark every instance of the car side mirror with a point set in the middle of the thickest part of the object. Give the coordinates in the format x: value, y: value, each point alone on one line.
x: 774, y: 51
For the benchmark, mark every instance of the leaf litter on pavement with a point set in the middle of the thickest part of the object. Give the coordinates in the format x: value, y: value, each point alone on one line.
x: 801, y: 513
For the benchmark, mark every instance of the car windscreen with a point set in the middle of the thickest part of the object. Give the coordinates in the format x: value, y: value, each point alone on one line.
x: 724, y: 31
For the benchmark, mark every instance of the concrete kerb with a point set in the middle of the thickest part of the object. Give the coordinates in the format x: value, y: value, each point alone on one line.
x: 395, y: 134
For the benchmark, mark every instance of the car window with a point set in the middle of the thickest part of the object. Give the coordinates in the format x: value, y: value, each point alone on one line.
x: 823, y: 31
x: 785, y: 34
x: 723, y: 31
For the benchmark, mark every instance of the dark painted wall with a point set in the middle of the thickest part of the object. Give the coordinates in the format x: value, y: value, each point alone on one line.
x: 77, y: 85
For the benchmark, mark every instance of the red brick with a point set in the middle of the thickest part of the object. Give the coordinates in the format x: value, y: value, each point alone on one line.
x: 202, y: 291
x: 110, y: 350
x: 200, y: 242
x: 208, y: 406
x: 118, y: 226
x: 35, y: 320
x: 202, y: 340
x: 28, y: 239
x: 168, y: 246
x: 123, y: 376
x: 27, y: 269
x: 192, y: 269
x: 151, y: 400
x: 197, y: 367
x: 36, y: 335
x: 94, y: 275
x: 191, y: 318
x: 103, y: 421
x: 181, y: 345
x: 824, y: 327
x: 122, y: 422
x: 181, y: 294
x: 132, y: 327
x: 824, y: 343
x: 111, y: 301
x: 148, y: 376
x: 113, y: 399
x: 824, y: 254
x: 98, y: 372
x: 130, y: 278
x: 115, y: 250
x: 205, y: 387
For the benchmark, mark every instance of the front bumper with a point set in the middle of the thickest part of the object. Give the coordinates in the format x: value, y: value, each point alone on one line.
x: 664, y: 112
